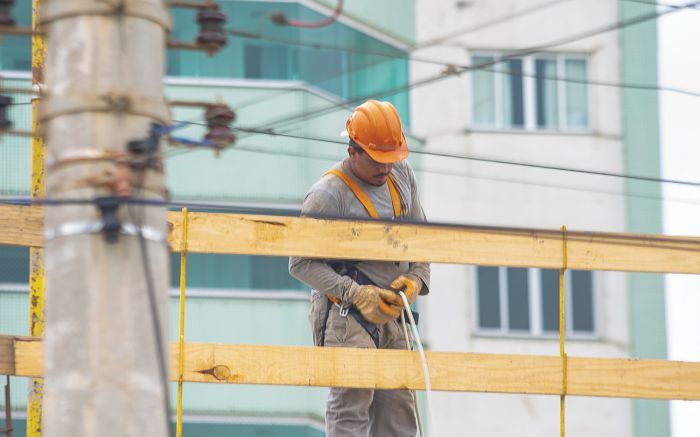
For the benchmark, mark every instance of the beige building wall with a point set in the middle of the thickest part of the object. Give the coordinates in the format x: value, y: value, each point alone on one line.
x: 473, y: 192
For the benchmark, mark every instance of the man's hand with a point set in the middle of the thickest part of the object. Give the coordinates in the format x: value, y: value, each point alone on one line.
x: 409, y: 284
x: 376, y: 304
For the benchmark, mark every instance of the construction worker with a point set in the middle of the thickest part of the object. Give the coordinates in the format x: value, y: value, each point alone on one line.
x: 355, y: 303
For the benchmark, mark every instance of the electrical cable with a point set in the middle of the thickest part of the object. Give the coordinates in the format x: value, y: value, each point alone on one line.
x: 479, y: 26
x: 138, y: 220
x: 408, y: 57
x: 459, y: 71
x: 651, y: 3
x: 281, y: 19
x: 485, y: 159
x: 175, y: 153
x: 443, y: 172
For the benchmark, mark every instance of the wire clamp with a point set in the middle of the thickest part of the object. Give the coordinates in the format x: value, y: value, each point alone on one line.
x: 93, y: 227
x: 110, y: 222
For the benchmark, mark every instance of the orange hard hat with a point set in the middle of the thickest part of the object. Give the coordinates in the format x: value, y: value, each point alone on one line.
x: 376, y: 127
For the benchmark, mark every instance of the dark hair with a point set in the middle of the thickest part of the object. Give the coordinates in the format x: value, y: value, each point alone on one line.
x: 355, y: 146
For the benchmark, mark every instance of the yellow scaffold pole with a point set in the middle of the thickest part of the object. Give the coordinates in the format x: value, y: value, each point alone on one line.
x: 562, y: 336
x: 181, y: 360
x: 36, y: 254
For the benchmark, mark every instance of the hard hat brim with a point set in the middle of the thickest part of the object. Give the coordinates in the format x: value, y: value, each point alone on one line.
x: 387, y: 157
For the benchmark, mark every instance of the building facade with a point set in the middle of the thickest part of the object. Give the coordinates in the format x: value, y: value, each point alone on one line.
x: 543, y: 108
x: 538, y: 95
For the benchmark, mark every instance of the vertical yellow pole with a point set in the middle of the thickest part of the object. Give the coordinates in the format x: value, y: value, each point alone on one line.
x: 36, y: 255
x: 181, y: 356
x: 562, y: 334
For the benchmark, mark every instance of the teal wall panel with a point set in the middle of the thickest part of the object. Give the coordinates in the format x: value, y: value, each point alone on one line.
x: 244, y: 321
x: 396, y: 18
x: 369, y: 66
x: 644, y: 213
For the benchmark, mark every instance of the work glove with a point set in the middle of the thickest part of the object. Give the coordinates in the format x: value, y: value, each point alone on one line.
x: 409, y: 284
x: 376, y: 304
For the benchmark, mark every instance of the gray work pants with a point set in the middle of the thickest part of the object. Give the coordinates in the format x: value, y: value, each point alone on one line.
x: 362, y: 412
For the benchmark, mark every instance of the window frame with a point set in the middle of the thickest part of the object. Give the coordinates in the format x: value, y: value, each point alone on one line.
x: 530, y: 94
x: 536, y: 330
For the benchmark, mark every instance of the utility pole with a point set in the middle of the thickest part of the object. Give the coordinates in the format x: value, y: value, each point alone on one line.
x: 104, y: 78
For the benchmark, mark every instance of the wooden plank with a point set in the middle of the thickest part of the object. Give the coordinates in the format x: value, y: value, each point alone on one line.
x: 22, y: 225
x: 344, y: 239
x: 386, y: 369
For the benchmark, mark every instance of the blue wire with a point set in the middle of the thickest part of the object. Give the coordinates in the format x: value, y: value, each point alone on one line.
x: 189, y: 142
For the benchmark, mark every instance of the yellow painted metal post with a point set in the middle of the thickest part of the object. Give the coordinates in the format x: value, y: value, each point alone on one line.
x: 183, y: 281
x: 36, y: 254
x: 562, y: 336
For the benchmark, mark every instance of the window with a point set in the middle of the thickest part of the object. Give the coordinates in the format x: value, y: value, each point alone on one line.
x: 524, y: 93
x: 266, y: 62
x: 526, y: 301
x: 235, y: 272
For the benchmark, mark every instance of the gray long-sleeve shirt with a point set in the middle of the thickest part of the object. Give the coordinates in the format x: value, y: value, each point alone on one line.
x: 331, y: 197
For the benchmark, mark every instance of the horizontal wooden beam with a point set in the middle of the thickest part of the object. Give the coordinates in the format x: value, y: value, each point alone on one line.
x: 390, y: 369
x: 345, y: 239
x: 22, y: 225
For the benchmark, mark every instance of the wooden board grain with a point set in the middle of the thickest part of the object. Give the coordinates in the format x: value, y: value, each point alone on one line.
x: 391, y: 369
x: 22, y: 225
x: 346, y: 239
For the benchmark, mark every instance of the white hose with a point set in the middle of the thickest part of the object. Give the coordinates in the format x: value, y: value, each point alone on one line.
x: 409, y: 346
x: 424, y: 360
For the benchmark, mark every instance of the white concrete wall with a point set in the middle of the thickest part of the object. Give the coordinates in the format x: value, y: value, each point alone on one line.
x: 492, y: 194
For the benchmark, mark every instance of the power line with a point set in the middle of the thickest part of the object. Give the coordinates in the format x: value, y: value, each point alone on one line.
x: 405, y: 56
x: 494, y: 161
x: 442, y: 172
x: 651, y: 3
x: 271, y: 132
x: 388, y: 56
x: 481, y: 26
x: 515, y: 54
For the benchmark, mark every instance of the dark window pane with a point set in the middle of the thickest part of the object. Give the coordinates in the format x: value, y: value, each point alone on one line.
x: 266, y: 62
x: 253, y: 62
x: 235, y: 271
x: 16, y: 50
x: 489, y: 300
x: 14, y: 264
x: 513, y: 93
x: 272, y: 273
x: 546, y: 93
x: 582, y: 282
x: 550, y: 299
x: 518, y: 300
x: 213, y: 271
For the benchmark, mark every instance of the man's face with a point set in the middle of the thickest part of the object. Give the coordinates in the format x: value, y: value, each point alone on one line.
x: 367, y: 169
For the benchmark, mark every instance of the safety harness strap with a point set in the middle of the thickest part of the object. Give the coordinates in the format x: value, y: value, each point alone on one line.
x: 364, y: 199
x: 395, y: 197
